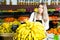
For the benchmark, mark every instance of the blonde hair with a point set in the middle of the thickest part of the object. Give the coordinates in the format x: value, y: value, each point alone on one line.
x: 45, y: 12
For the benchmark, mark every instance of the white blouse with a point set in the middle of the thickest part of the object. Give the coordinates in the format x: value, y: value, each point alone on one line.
x: 39, y: 18
x: 34, y: 18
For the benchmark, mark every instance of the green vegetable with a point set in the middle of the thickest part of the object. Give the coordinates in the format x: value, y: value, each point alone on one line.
x: 56, y: 37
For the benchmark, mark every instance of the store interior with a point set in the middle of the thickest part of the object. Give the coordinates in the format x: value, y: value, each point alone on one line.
x: 15, y: 15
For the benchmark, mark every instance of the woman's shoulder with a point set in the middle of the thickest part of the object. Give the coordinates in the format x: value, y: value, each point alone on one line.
x: 34, y: 13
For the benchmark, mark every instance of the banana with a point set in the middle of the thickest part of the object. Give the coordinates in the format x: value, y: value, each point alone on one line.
x: 5, y: 25
x: 18, y: 38
x: 16, y: 22
x: 21, y: 26
x: 26, y: 33
x: 30, y: 36
x: 30, y: 31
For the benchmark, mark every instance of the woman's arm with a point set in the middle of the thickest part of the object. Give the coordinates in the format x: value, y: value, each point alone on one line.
x: 46, y: 22
x: 31, y: 17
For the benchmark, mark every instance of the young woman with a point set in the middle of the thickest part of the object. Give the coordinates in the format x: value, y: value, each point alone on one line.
x: 41, y: 15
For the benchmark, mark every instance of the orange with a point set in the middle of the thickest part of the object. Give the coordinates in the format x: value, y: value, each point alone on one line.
x: 58, y: 30
x: 51, y: 30
x: 9, y: 19
x: 55, y: 31
x: 23, y: 18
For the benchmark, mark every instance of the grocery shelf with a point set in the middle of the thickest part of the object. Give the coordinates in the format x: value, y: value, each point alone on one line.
x: 55, y: 13
x: 17, y: 14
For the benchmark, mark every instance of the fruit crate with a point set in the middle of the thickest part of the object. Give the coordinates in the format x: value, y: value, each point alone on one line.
x: 6, y: 36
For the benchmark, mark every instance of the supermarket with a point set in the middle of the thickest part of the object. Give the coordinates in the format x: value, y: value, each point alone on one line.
x: 15, y: 22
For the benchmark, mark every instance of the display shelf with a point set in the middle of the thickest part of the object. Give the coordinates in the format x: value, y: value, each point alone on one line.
x: 54, y: 18
x: 17, y: 14
x: 55, y: 13
x: 6, y: 34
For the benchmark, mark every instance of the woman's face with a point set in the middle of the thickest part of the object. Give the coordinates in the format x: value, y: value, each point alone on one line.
x: 40, y: 9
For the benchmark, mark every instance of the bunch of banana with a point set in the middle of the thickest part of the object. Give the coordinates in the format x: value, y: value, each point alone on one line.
x: 16, y: 22
x: 30, y: 31
x: 5, y: 28
x: 1, y: 29
x: 15, y: 25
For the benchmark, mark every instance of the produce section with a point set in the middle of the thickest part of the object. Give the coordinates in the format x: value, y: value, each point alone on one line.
x: 12, y: 21
x: 29, y: 28
x: 14, y: 24
x: 15, y: 19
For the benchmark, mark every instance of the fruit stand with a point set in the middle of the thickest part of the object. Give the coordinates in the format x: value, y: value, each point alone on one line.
x: 13, y: 24
x: 25, y: 31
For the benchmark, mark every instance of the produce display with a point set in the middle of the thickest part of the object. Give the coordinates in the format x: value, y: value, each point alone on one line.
x: 7, y: 27
x: 22, y: 18
x: 55, y: 31
x: 9, y: 19
x: 10, y: 24
x: 53, y: 34
x: 30, y: 31
x: 53, y: 17
x: 51, y: 10
x: 26, y: 31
